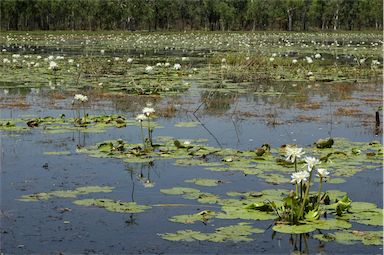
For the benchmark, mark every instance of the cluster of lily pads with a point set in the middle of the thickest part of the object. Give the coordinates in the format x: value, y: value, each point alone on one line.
x: 145, y: 64
x: 300, y: 211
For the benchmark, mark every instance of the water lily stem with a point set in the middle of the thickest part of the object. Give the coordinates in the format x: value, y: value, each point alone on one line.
x: 142, y: 133
x: 319, y: 193
x: 305, y: 195
x: 149, y: 131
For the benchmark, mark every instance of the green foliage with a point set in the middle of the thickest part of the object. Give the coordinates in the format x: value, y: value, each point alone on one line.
x: 234, y: 233
x: 343, y: 205
x: 113, y: 206
x: 349, y: 237
x: 204, y: 182
x: 65, y: 193
x: 203, y: 216
x: 167, y: 14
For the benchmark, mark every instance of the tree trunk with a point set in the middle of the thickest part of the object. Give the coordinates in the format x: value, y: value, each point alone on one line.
x: 336, y: 19
x: 254, y: 25
x: 290, y: 16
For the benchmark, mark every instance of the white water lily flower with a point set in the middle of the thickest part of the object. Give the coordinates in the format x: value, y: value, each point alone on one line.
x: 148, y: 111
x: 187, y: 142
x: 149, y: 69
x: 299, y: 177
x: 53, y: 65
x: 293, y: 152
x: 309, y: 60
x: 167, y: 64
x: 294, y: 61
x: 271, y: 59
x: 176, y: 66
x: 129, y: 60
x: 322, y: 173
x: 81, y: 98
x: 141, y: 117
x: 318, y: 55
x: 184, y: 58
x: 311, y: 162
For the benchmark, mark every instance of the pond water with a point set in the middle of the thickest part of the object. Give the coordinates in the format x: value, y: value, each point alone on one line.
x: 35, y: 160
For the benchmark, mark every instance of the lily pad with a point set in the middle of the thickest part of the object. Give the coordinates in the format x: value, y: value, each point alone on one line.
x: 203, y: 216
x: 294, y: 229
x: 113, y: 206
x: 187, y: 124
x: 204, y: 182
x: 65, y: 193
x: 234, y: 233
x: 57, y: 153
x: 239, y: 212
x: 179, y: 191
x: 330, y: 224
x: 350, y: 237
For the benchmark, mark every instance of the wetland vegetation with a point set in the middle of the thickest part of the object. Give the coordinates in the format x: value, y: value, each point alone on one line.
x: 225, y: 142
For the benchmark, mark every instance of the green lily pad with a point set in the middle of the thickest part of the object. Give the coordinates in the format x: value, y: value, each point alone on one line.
x: 203, y: 197
x: 113, y: 206
x: 65, y: 193
x: 57, y: 153
x: 184, y: 235
x: 350, y: 237
x: 240, y: 212
x: 234, y: 233
x: 294, y: 229
x: 204, y: 182
x: 203, y: 216
x: 187, y: 124
x: 274, y: 178
x: 330, y: 224
x: 179, y: 191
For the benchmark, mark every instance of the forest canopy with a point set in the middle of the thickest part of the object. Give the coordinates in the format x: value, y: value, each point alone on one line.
x: 153, y: 15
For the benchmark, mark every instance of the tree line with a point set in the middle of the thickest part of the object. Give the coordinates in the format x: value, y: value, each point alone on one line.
x: 153, y: 15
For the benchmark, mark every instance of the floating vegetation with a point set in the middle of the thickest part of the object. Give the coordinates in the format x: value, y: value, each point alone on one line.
x: 187, y: 124
x: 204, y: 182
x: 350, y: 237
x: 203, y: 216
x: 247, y: 58
x: 310, y: 226
x: 341, y: 160
x: 66, y: 193
x: 234, y: 233
x: 113, y: 206
x: 62, y: 124
x: 57, y: 153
